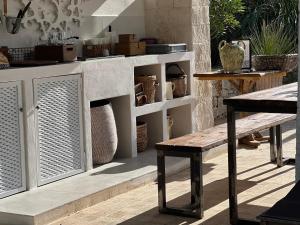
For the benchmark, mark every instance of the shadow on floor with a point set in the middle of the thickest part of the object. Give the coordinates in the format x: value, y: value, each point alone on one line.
x: 214, y: 194
x: 132, y: 166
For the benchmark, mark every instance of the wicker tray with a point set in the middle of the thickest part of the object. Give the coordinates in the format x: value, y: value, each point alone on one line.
x: 276, y: 62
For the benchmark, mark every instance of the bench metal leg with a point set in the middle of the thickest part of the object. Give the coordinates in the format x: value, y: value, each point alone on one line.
x: 279, y: 145
x: 161, y: 180
x: 272, y: 145
x: 196, y: 208
x: 197, y: 184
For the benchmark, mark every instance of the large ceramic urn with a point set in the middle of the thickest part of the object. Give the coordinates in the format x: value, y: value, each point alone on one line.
x: 232, y: 56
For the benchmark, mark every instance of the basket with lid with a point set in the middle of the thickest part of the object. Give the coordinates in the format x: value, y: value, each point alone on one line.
x: 178, y: 77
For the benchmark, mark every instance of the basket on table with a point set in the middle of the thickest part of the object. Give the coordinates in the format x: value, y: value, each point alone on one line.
x: 178, y: 77
x: 286, y: 63
x: 142, y: 136
x: 149, y: 85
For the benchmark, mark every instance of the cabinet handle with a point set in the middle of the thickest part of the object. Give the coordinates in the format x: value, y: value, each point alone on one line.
x: 21, y: 109
x: 37, y: 107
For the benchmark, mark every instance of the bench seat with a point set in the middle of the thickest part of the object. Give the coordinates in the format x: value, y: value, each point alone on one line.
x: 216, y: 136
x: 193, y: 145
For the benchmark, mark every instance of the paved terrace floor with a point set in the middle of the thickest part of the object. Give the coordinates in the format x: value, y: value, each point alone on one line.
x: 261, y: 184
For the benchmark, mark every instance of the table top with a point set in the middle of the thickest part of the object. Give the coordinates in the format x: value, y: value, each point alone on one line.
x: 281, y: 99
x: 220, y: 75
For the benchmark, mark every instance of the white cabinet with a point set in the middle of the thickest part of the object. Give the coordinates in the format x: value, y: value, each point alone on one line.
x: 58, y: 103
x: 12, y: 157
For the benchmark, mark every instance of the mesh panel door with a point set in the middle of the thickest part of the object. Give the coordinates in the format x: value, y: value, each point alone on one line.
x: 58, y: 111
x: 12, y: 171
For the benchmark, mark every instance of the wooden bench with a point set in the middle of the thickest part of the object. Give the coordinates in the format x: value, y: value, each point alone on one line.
x: 193, y: 145
x: 285, y: 211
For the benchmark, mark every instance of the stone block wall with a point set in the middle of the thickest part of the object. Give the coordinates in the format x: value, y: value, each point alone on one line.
x: 221, y: 90
x: 186, y: 21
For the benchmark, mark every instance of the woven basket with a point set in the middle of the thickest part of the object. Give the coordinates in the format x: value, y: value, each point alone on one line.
x: 104, y: 132
x: 149, y: 84
x: 276, y: 62
x: 178, y: 78
x: 142, y: 136
x: 93, y: 51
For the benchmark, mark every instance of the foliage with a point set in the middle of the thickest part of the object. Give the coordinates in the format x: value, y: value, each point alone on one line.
x: 223, y: 17
x: 272, y: 39
x: 278, y: 11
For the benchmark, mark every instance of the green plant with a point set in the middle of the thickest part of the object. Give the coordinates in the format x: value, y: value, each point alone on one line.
x: 223, y: 17
x: 272, y: 39
x: 284, y: 12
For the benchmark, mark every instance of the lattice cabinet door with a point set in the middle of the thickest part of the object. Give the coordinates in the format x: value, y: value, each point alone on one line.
x: 58, y: 103
x: 12, y: 155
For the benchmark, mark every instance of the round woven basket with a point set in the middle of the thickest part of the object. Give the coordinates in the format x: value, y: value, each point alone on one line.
x: 142, y: 136
x: 149, y: 84
x: 104, y: 132
x: 286, y: 63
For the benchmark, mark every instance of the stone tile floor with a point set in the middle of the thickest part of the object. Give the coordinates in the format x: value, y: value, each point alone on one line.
x: 261, y: 184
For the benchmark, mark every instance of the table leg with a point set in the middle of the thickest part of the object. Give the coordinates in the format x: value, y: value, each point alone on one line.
x: 232, y: 168
x: 272, y: 144
x: 161, y: 180
x: 279, y: 145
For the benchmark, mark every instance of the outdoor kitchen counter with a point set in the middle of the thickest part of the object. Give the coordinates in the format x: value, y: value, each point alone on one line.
x: 52, y: 100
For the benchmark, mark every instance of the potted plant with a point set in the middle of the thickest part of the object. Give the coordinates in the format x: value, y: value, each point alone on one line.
x: 273, y: 48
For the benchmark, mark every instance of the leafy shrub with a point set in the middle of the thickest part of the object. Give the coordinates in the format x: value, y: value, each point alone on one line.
x: 272, y: 39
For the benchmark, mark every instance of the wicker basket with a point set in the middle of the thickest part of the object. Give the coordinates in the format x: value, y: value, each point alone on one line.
x: 93, y: 51
x: 104, y: 132
x: 178, y: 78
x: 149, y: 84
x: 276, y: 62
x: 142, y: 136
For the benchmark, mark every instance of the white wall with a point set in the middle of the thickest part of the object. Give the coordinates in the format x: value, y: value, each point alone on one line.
x: 125, y: 16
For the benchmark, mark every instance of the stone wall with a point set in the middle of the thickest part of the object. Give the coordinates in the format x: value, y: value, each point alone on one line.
x: 177, y: 21
x: 221, y: 90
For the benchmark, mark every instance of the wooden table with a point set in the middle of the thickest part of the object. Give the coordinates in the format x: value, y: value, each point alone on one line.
x: 281, y: 99
x: 244, y: 82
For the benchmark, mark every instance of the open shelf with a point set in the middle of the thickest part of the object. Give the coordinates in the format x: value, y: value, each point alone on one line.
x: 149, y: 108
x: 150, y: 70
x: 154, y: 127
x: 185, y: 66
x: 123, y: 122
x: 182, y: 121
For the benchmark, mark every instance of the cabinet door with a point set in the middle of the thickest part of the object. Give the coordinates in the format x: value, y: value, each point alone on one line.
x: 12, y: 157
x: 59, y: 127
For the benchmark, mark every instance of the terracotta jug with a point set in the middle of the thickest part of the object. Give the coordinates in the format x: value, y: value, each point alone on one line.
x: 232, y: 56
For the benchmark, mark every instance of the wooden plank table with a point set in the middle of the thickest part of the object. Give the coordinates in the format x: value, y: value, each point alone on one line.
x: 281, y: 99
x: 246, y: 82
